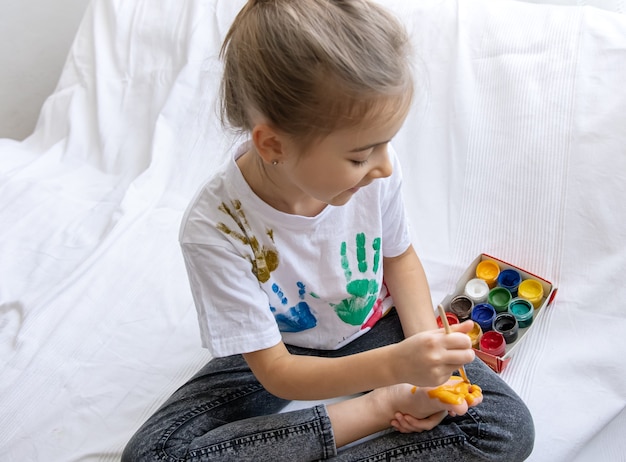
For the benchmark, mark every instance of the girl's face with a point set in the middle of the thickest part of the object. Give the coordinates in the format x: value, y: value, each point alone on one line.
x: 333, y: 169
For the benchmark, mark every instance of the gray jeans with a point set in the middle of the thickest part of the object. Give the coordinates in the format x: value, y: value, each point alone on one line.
x: 224, y: 414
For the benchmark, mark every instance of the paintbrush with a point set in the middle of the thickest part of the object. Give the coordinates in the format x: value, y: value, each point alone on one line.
x: 446, y: 327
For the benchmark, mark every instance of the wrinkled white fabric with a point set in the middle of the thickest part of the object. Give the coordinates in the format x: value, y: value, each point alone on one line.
x: 515, y: 147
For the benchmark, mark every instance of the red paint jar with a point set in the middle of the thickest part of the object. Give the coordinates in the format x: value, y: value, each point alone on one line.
x: 451, y: 317
x: 492, y: 342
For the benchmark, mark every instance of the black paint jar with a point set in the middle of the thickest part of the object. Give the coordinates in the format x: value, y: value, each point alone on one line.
x: 506, y: 324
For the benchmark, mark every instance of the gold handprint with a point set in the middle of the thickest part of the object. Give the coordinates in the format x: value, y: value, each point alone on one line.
x: 263, y: 260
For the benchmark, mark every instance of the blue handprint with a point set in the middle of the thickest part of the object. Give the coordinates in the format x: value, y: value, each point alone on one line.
x: 364, y: 292
x: 297, y: 318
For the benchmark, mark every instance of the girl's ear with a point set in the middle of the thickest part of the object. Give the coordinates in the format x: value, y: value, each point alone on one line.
x: 269, y: 143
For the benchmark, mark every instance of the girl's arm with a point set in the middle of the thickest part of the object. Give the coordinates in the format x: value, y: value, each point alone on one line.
x: 298, y: 377
x: 406, y: 281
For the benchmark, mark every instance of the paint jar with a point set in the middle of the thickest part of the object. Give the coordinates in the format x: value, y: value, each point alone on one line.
x: 488, y: 271
x: 499, y: 298
x: 451, y: 317
x: 531, y: 290
x: 484, y: 314
x: 462, y: 305
x: 476, y: 290
x: 493, y: 343
x: 506, y: 324
x: 475, y: 334
x: 510, y: 279
x: 523, y: 310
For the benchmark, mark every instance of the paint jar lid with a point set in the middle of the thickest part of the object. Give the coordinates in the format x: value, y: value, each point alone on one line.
x: 488, y: 270
x: 477, y: 290
x: 492, y: 342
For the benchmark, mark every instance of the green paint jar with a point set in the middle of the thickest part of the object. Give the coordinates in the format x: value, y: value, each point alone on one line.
x: 499, y: 298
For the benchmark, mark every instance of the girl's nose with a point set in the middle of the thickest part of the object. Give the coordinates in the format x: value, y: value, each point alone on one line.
x: 382, y: 168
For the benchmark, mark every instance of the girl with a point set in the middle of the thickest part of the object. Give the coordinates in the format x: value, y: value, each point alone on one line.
x: 294, y: 250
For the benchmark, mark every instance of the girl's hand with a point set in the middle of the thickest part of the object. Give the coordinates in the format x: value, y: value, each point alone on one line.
x: 416, y: 410
x: 429, y: 358
x: 406, y: 423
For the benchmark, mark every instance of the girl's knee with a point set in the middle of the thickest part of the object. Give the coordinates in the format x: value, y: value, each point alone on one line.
x: 514, y: 433
x: 143, y: 448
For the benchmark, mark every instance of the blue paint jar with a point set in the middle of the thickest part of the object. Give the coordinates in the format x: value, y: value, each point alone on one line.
x: 510, y: 279
x: 484, y: 314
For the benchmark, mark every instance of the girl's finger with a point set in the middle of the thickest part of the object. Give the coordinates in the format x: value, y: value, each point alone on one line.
x: 406, y: 423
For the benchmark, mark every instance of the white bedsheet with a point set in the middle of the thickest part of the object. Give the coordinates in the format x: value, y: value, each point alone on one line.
x: 516, y: 146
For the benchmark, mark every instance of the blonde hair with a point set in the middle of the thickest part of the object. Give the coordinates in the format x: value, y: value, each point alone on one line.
x: 313, y: 66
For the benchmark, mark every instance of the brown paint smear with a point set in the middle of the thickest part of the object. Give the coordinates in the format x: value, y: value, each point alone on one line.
x: 263, y: 260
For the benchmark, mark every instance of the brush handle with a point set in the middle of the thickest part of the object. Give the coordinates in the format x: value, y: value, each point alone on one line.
x: 446, y: 327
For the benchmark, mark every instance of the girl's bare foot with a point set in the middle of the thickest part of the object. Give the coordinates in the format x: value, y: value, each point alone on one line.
x: 416, y: 410
x: 400, y: 406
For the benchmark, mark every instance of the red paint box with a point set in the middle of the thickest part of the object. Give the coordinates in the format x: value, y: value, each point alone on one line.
x: 498, y: 363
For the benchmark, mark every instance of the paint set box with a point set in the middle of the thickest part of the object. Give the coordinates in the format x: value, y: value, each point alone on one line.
x: 504, y: 301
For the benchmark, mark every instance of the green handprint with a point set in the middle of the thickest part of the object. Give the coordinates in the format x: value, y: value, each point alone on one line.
x: 364, y: 292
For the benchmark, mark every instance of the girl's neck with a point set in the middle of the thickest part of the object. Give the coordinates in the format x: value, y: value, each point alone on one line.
x: 273, y: 188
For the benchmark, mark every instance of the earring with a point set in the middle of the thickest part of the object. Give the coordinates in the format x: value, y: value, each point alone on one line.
x: 274, y: 162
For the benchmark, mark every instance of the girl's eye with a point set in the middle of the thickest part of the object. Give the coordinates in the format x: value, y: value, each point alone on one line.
x: 359, y: 163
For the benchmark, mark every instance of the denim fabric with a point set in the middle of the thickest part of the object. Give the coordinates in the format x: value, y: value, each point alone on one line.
x: 224, y: 414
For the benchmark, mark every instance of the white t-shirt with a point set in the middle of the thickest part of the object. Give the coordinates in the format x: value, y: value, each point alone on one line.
x: 258, y: 275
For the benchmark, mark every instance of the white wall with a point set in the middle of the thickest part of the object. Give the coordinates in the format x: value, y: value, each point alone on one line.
x: 35, y: 37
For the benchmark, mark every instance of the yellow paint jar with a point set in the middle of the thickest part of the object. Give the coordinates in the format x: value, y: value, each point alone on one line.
x: 475, y: 335
x: 531, y: 290
x: 488, y: 271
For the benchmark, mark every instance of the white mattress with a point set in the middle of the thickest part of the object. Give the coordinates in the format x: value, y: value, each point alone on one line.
x: 516, y: 146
